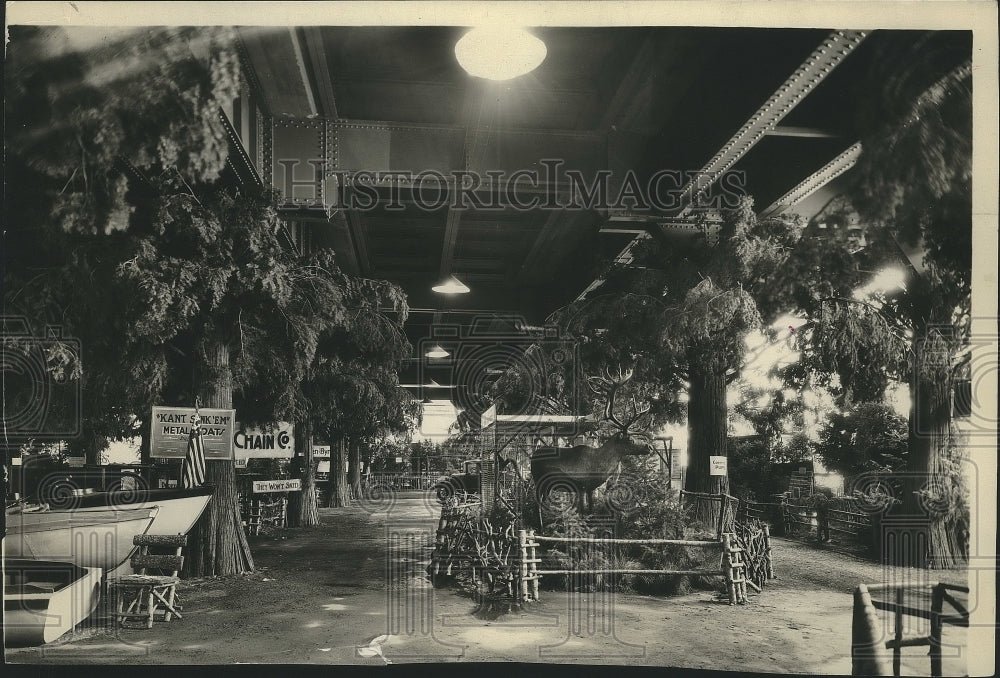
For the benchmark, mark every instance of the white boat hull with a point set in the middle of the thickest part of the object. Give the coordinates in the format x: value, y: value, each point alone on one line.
x: 101, y: 539
x: 176, y: 516
x: 45, y: 599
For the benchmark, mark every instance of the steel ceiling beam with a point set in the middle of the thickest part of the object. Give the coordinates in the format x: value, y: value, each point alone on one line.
x: 476, y: 136
x: 311, y: 39
x: 806, y: 132
x: 814, y: 181
x: 620, y: 111
x: 450, y: 238
x: 837, y: 46
x: 271, y: 55
x: 590, y: 135
x: 300, y: 61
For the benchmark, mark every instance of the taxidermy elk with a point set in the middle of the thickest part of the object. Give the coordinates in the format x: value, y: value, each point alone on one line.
x: 581, y: 469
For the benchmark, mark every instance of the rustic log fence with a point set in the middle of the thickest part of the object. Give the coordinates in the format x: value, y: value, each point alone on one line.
x: 504, y: 560
x: 868, y: 650
x: 469, y: 542
x: 734, y: 562
x: 263, y: 512
x: 804, y: 521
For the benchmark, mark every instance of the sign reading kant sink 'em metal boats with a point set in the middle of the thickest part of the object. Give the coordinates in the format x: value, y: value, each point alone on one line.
x: 275, y: 442
x: 171, y: 427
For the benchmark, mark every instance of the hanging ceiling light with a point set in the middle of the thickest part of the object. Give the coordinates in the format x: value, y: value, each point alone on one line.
x: 499, y: 52
x: 437, y: 352
x: 451, y: 285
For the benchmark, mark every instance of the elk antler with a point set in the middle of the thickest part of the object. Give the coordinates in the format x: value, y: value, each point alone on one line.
x: 636, y: 414
x: 608, y: 386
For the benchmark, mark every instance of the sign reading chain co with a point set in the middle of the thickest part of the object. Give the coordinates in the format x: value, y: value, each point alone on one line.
x: 171, y: 427
x: 277, y: 442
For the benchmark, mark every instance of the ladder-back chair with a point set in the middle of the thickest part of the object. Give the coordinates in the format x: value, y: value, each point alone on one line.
x: 143, y: 595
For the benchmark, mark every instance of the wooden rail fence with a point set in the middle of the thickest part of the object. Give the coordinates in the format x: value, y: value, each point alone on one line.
x: 733, y: 564
x: 797, y: 520
x: 504, y: 559
x: 868, y: 651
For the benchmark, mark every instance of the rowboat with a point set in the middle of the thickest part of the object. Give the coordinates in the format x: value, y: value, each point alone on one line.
x: 44, y: 599
x: 180, y: 508
x: 101, y: 538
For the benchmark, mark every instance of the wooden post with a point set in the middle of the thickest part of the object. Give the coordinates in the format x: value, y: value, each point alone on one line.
x: 727, y: 569
x: 522, y: 587
x: 867, y: 650
x: 897, y: 650
x: 937, y: 607
x: 533, y: 566
x: 722, y: 517
x: 768, y: 562
x: 740, y: 575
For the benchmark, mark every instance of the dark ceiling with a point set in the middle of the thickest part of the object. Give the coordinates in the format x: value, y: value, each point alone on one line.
x: 645, y: 99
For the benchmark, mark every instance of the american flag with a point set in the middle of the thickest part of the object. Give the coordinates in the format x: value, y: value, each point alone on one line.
x: 193, y: 468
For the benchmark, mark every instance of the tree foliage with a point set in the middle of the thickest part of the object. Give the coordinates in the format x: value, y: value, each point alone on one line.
x: 211, y: 268
x: 90, y: 112
x: 911, y: 189
x: 82, y: 104
x: 870, y: 437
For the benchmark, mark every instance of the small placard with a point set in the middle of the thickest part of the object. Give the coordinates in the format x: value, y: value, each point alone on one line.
x: 717, y: 466
x: 323, y: 466
x: 290, y: 485
x: 241, y: 462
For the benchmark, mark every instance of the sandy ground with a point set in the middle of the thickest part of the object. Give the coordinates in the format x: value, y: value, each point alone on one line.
x: 354, y: 591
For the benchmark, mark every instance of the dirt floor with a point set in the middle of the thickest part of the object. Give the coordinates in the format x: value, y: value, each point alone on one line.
x: 355, y: 591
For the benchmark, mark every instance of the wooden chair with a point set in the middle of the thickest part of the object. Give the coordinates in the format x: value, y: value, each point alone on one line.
x: 144, y: 596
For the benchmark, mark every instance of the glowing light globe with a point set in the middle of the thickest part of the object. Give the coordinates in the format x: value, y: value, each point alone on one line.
x: 498, y: 53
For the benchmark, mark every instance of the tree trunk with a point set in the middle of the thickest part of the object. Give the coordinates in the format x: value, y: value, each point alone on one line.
x: 339, y: 495
x: 707, y: 437
x: 354, y: 466
x: 302, y: 509
x: 930, y: 525
x: 217, y: 545
x: 145, y: 455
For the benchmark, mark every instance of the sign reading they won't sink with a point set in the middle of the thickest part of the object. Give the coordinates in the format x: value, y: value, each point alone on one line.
x: 290, y: 485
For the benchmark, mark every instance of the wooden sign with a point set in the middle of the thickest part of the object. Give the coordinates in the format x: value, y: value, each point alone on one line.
x: 718, y: 466
x: 321, y: 451
x: 275, y: 442
x: 290, y: 485
x: 171, y: 426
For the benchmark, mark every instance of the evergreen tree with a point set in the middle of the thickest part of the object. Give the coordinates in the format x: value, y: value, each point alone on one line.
x: 911, y: 188
x: 89, y: 111
x: 680, y: 312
